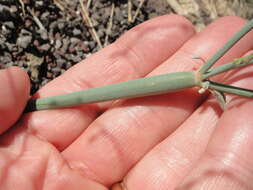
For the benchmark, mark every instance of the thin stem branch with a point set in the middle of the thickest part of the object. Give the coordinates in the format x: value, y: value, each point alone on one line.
x: 88, y: 21
x: 36, y: 19
x: 245, y: 29
x: 231, y: 89
x: 239, y: 62
x: 138, y: 10
x: 22, y: 6
x: 129, y: 5
x: 109, y: 28
x: 88, y: 4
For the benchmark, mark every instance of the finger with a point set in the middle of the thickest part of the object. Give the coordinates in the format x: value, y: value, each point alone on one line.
x: 14, y: 94
x: 111, y: 144
x: 165, y: 166
x: 134, y: 55
x: 40, y: 164
x: 227, y: 162
x: 170, y: 161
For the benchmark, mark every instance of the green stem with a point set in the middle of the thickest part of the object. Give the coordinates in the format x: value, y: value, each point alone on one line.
x: 134, y: 88
x: 245, y: 29
x: 151, y: 85
x: 239, y: 62
x: 231, y: 89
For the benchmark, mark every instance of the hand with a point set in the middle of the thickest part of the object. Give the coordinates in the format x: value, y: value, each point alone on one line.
x: 175, y: 141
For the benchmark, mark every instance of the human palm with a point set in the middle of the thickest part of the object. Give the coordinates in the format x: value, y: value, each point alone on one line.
x: 175, y: 141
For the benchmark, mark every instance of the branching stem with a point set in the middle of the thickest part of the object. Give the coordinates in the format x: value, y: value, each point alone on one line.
x: 239, y: 62
x: 231, y: 89
x: 158, y: 84
x: 227, y: 46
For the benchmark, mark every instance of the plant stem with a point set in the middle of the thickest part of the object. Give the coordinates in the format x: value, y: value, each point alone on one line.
x: 134, y: 88
x: 156, y: 84
x: 89, y: 22
x: 231, y: 89
x: 138, y: 10
x: 245, y: 29
x: 239, y: 62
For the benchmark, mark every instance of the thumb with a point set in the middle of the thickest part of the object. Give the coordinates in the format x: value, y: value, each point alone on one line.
x: 14, y: 93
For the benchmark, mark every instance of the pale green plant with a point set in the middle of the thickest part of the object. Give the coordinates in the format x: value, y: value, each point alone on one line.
x: 159, y: 84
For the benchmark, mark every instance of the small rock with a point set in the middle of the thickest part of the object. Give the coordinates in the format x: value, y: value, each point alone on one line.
x: 24, y: 41
x: 6, y: 31
x: 2, y: 45
x: 101, y: 34
x: 43, y: 34
x: 9, y: 25
x: 44, y: 16
x: 53, y: 25
x: 77, y: 32
x: 68, y: 65
x: 62, y: 71
x: 61, y: 25
x: 13, y: 8
x: 9, y: 45
x: 60, y: 62
x: 6, y: 14
x: 45, y: 47
x: 92, y: 45
x: 58, y: 44
x: 6, y: 58
x: 38, y: 3
x: 74, y: 40
x: 56, y: 71
x: 25, y: 32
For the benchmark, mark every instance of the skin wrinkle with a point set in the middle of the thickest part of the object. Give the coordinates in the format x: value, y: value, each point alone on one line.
x: 83, y: 167
x: 133, y: 54
x: 140, y: 123
x: 157, y: 115
x: 219, y: 172
x: 113, y: 69
x: 42, y: 176
x: 4, y: 169
x: 182, y: 25
x: 230, y: 160
x: 170, y: 163
x: 15, y: 159
x: 161, y: 175
x: 59, y: 173
x: 55, y: 170
x: 79, y: 83
x: 36, y: 130
x: 35, y: 170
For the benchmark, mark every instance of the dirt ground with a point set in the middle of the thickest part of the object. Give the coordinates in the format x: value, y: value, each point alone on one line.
x: 46, y: 37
